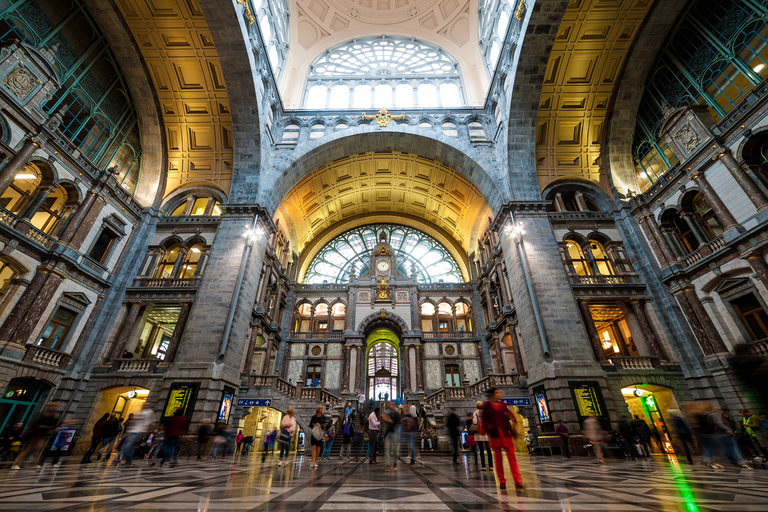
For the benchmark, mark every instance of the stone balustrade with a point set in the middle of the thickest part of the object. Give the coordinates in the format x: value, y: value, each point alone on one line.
x: 47, y: 356
x: 760, y: 348
x: 166, y: 282
x: 635, y: 363
x: 273, y: 382
x: 24, y: 227
x: 148, y: 365
x: 325, y: 335
x: 443, y: 335
x: 703, y: 251
x: 600, y: 279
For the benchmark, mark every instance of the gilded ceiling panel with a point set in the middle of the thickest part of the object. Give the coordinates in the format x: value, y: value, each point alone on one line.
x: 176, y: 44
x: 588, y: 55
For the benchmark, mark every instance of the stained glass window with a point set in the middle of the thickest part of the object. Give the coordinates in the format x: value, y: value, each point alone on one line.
x: 334, y: 261
x: 384, y: 72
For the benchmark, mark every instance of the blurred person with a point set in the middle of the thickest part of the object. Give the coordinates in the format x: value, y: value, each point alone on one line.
x: 595, y: 433
x: 175, y: 427
x: 239, y: 441
x: 482, y: 440
x: 109, y: 433
x: 410, y: 425
x: 643, y: 435
x: 203, y: 435
x: 626, y: 433
x: 471, y: 443
x: 373, y: 435
x: 347, y: 433
x: 391, y: 418
x: 682, y: 430
x: 265, y: 444
x: 37, y: 435
x: 498, y: 423
x: 452, y: 425
x: 137, y: 427
x: 755, y: 429
x: 330, y: 435
x: 287, y: 429
x: 95, y: 437
x: 561, y: 429
x: 317, y: 433
x: 10, y: 440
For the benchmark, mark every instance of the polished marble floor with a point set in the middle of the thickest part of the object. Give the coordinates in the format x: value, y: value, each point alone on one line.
x: 435, y: 485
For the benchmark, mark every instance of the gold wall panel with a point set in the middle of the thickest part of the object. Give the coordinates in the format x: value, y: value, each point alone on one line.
x: 588, y: 55
x: 177, y: 46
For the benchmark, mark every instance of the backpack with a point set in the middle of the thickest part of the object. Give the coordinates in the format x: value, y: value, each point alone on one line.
x: 317, y: 432
x: 348, y: 430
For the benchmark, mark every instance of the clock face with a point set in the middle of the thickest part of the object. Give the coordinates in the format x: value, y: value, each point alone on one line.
x: 383, y: 266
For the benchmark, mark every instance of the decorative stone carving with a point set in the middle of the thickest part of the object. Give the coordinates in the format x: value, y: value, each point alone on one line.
x: 294, y: 371
x: 316, y: 351
x: 471, y: 370
x: 334, y: 350
x: 20, y: 81
x: 434, y: 379
x: 402, y: 296
x: 450, y: 349
x: 364, y: 296
x: 332, y: 371
x: 688, y: 138
x: 431, y: 350
x: 468, y: 349
x: 297, y: 350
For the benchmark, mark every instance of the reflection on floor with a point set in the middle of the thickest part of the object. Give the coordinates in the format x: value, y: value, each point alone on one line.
x: 245, y: 484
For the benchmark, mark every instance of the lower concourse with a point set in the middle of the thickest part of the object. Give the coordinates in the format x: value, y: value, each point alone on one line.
x: 552, y: 484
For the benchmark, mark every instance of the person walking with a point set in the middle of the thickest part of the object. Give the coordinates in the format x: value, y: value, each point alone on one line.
x: 330, y: 434
x: 95, y: 438
x: 317, y: 433
x: 471, y: 442
x: 642, y: 434
x: 373, y: 436
x: 203, y: 435
x: 349, y: 411
x: 108, y: 436
x: 561, y: 429
x: 360, y: 403
x: 497, y: 421
x: 239, y: 441
x: 452, y: 424
x: 410, y: 429
x: 265, y: 444
x: 755, y: 429
x: 595, y: 433
x: 480, y: 437
x: 683, y: 432
x: 175, y: 427
x: 391, y: 417
x: 625, y: 431
x: 347, y: 433
x: 38, y: 434
x: 133, y: 431
x: 287, y: 429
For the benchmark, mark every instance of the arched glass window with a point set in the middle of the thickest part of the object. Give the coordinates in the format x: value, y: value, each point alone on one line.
x: 409, y: 65
x: 476, y: 132
x: 382, y: 372
x: 411, y: 247
x: 706, y: 217
x: 303, y: 314
x: 449, y: 129
x: 273, y: 19
x: 191, y: 261
x: 715, y: 55
x: 18, y: 194
x: 291, y: 134
x: 317, y: 131
x: 602, y: 262
x: 493, y: 21
x: 578, y: 260
x: 100, y: 118
x: 168, y: 263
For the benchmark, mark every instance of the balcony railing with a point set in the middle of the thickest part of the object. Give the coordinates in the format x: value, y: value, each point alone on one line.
x: 635, y: 363
x: 31, y: 232
x: 475, y: 390
x: 325, y: 335
x: 166, y: 282
x: 600, y: 279
x: 274, y: 382
x: 321, y: 395
x: 442, y: 335
x: 148, y: 365
x: 703, y: 251
x: 47, y: 356
x: 760, y: 348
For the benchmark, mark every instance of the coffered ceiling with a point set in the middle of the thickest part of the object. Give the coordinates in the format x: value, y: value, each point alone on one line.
x: 320, y: 24
x: 585, y: 65
x: 183, y: 63
x: 374, y: 187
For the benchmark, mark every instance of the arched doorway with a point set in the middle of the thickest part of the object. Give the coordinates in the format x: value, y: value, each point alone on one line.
x: 653, y: 404
x: 383, y: 380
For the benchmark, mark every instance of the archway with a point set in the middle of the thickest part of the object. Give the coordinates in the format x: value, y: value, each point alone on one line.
x: 383, y: 380
x: 654, y: 404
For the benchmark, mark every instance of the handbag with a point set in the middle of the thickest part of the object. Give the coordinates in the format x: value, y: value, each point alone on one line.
x: 317, y: 432
x: 472, y: 428
x: 285, y: 436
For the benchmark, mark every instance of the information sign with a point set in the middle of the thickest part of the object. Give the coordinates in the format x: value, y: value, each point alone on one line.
x: 518, y: 402
x: 254, y: 402
x: 181, y: 396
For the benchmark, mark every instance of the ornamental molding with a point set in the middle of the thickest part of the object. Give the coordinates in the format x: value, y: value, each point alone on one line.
x: 21, y: 81
x: 687, y: 138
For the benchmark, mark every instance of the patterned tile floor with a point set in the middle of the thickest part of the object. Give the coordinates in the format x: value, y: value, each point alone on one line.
x: 436, y: 485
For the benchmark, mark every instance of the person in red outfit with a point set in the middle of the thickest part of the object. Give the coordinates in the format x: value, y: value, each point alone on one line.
x: 496, y: 423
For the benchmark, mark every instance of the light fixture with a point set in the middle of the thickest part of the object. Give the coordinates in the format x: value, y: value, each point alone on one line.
x: 26, y: 176
x: 759, y: 68
x: 252, y: 234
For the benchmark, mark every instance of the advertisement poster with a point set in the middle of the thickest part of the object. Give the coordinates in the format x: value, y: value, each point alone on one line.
x: 182, y: 396
x: 541, y: 403
x: 226, y: 404
x: 63, y: 439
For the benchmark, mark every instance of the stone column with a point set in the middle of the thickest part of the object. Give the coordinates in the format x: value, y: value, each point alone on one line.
x: 23, y: 319
x: 498, y: 357
x: 659, y: 245
x: 84, y: 219
x: 269, y: 348
x: 516, y: 348
x: 419, y: 369
x: 670, y: 235
x: 361, y: 366
x: 17, y: 163
x: 594, y: 338
x: 723, y: 214
x: 754, y: 192
x: 36, y: 201
x: 505, y: 297
x: 345, y: 376
x: 129, y: 325
x: 696, y: 228
x: 715, y: 341
x: 248, y: 364
x: 650, y: 338
x: 758, y: 264
x: 580, y: 203
x: 406, y: 370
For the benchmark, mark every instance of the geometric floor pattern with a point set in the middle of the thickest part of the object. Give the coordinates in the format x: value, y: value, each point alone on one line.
x: 551, y: 484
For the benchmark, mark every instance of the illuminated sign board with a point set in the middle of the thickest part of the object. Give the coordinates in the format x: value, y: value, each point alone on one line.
x: 588, y: 399
x: 182, y: 396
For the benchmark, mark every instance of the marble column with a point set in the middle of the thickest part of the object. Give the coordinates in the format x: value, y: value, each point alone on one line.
x: 17, y: 163
x: 758, y: 264
x: 670, y: 235
x: 361, y: 366
x: 724, y: 215
x: 655, y: 238
x: 269, y: 348
x: 505, y: 297
x: 419, y: 369
x: 716, y: 342
x: 406, y: 370
x: 754, y: 192
x: 516, y: 348
x: 345, y: 376
x: 693, y: 320
x: 696, y: 228
x: 36, y: 201
x: 30, y: 307
x: 650, y: 338
x: 129, y: 325
x: 83, y: 220
x: 251, y: 346
x: 594, y: 338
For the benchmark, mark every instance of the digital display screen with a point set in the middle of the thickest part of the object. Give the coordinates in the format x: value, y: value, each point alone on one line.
x: 181, y: 396
x: 588, y: 399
